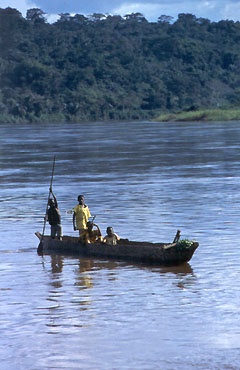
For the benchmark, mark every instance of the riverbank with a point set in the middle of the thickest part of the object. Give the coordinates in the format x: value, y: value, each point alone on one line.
x: 211, y: 115
x: 207, y: 115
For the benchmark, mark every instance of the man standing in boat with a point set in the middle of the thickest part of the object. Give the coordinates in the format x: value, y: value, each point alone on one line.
x: 81, y: 215
x: 54, y: 217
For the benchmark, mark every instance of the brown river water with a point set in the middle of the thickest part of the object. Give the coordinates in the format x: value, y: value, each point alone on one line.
x: 146, y: 180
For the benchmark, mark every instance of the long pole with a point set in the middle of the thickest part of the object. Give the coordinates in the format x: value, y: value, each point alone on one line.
x: 45, y: 220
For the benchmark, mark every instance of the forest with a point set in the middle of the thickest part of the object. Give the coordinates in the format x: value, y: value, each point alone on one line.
x: 107, y: 67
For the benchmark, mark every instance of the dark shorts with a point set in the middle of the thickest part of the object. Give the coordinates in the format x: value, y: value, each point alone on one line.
x: 56, y: 230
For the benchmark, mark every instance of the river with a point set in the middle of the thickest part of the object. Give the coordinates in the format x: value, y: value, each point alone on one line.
x: 146, y: 180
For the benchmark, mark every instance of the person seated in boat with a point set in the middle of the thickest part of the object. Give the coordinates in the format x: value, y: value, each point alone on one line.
x: 81, y: 215
x: 53, y: 217
x: 111, y: 237
x: 89, y: 235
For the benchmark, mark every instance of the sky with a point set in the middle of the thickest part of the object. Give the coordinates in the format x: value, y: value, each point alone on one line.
x: 214, y: 10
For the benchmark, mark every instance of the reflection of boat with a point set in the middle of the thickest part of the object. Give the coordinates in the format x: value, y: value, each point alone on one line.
x: 151, y: 253
x: 181, y: 270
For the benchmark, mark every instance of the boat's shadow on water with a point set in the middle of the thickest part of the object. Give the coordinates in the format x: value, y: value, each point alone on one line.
x: 90, y: 263
x: 184, y: 269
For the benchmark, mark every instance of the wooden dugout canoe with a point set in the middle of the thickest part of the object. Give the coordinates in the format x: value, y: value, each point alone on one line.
x: 151, y: 253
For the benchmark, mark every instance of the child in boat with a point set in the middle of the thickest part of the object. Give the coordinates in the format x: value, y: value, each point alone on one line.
x: 111, y: 237
x: 89, y: 235
x: 81, y: 215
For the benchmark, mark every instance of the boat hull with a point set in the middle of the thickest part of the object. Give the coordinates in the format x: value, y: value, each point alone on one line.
x: 150, y: 253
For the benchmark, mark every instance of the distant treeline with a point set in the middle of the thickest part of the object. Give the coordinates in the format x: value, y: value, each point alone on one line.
x: 114, y: 68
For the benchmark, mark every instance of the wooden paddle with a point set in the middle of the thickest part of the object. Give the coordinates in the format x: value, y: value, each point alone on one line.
x: 45, y: 218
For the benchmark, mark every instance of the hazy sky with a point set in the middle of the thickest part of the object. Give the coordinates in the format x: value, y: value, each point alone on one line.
x: 214, y: 10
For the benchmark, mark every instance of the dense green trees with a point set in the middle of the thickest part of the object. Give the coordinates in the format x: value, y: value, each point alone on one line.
x: 104, y: 67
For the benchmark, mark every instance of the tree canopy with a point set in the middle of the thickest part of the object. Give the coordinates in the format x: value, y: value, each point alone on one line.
x: 103, y: 67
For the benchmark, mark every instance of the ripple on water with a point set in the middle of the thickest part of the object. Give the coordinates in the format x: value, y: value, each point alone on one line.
x: 146, y: 180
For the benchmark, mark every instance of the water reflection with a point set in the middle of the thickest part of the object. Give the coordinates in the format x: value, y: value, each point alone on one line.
x: 88, y: 268
x: 56, y: 263
x: 91, y: 264
x: 83, y: 279
x: 183, y: 269
x: 85, y: 264
x: 146, y: 180
x: 184, y: 274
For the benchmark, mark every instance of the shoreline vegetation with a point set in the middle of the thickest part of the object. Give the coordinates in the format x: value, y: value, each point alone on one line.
x: 113, y: 68
x: 201, y: 115
x: 206, y: 115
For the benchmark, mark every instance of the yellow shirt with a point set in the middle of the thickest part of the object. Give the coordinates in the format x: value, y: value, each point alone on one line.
x: 82, y: 216
x: 94, y: 237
